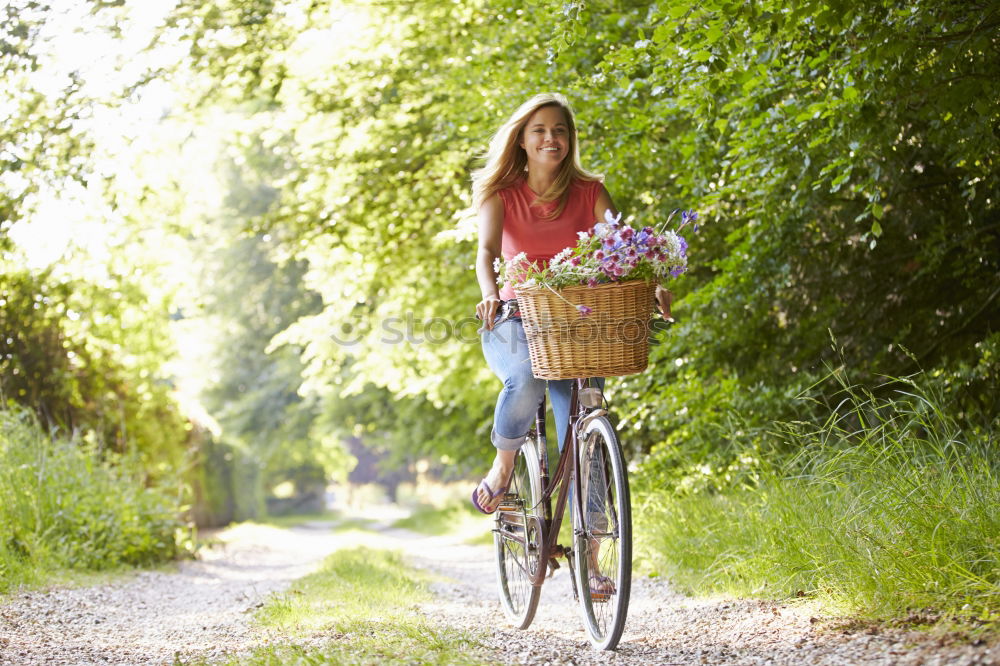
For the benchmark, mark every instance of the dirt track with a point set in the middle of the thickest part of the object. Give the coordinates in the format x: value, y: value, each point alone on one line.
x: 203, y: 609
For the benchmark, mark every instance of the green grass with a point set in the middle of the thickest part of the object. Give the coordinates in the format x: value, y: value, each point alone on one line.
x: 362, y: 602
x: 354, y: 524
x: 66, y: 510
x: 297, y: 519
x: 888, y: 510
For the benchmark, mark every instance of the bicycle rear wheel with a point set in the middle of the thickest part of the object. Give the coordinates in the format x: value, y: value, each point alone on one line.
x: 518, y: 538
x: 603, y: 535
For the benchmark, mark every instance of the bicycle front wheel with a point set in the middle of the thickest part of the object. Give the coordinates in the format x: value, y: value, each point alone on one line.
x: 518, y: 538
x: 603, y: 535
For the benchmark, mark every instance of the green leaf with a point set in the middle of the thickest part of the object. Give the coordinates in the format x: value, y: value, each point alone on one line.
x: 663, y: 33
x: 679, y: 10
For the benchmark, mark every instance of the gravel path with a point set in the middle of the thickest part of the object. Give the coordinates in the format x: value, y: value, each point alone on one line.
x: 155, y: 617
x: 663, y: 627
x: 203, y: 609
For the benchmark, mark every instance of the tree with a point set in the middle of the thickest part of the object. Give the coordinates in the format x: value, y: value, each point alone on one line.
x: 841, y: 158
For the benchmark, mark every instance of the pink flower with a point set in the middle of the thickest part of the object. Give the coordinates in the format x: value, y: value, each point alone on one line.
x: 584, y: 310
x: 575, y: 261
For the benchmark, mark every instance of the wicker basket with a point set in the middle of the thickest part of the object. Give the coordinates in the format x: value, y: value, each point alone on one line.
x: 612, y: 340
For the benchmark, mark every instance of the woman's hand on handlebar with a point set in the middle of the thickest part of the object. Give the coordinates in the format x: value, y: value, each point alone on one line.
x: 486, y: 310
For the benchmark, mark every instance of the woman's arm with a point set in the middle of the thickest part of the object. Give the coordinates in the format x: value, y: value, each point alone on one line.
x: 604, y: 203
x: 490, y: 237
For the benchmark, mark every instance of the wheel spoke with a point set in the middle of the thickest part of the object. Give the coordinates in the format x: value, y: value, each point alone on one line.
x: 517, y: 540
x: 604, y: 538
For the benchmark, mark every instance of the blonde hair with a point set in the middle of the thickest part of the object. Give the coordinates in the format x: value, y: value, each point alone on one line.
x: 506, y: 160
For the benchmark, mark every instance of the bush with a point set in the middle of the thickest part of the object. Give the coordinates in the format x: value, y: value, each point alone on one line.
x: 888, y: 506
x: 63, y: 505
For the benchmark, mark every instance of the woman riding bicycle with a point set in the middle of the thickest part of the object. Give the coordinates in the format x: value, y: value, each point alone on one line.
x: 532, y: 196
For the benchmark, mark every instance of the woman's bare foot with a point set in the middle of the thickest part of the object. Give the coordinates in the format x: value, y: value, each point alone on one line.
x: 600, y: 584
x: 497, y: 480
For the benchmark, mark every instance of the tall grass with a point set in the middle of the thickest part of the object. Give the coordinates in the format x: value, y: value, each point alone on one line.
x: 63, y: 507
x: 885, y: 508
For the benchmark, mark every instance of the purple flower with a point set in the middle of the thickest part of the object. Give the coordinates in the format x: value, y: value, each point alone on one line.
x: 584, y: 310
x: 592, y: 282
x: 575, y: 261
x: 684, y: 245
x: 677, y: 270
x: 599, y: 255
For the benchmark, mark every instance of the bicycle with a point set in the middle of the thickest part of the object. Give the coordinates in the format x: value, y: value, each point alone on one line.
x: 591, y: 473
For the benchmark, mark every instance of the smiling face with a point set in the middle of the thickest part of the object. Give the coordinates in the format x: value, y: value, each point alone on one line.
x: 545, y: 138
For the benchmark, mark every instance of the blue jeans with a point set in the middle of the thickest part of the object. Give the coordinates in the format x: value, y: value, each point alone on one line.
x: 506, y: 352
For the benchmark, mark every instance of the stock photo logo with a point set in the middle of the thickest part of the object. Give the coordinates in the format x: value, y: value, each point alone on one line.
x: 407, y: 329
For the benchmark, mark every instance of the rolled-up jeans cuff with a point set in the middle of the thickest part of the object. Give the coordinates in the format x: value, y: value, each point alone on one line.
x: 506, y: 443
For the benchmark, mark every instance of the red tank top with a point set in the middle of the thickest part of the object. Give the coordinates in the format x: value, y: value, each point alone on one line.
x: 526, y: 230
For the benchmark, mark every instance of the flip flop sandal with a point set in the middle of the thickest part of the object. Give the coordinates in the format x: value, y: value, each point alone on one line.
x: 493, y: 495
x: 602, y: 588
x: 500, y: 492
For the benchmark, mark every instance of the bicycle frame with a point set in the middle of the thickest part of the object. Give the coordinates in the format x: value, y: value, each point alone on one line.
x: 566, y: 476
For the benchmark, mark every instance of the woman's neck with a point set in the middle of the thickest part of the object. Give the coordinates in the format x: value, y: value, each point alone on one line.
x: 540, y: 180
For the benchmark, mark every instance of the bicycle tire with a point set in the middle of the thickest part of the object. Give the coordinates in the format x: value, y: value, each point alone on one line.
x: 518, y: 538
x: 606, y: 522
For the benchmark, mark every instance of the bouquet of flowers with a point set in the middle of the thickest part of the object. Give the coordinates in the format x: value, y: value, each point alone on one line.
x: 612, y: 251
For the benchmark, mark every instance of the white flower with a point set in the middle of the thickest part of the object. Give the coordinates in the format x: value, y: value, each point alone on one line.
x: 561, y: 257
x: 496, y: 264
x: 582, y: 235
x: 519, y: 257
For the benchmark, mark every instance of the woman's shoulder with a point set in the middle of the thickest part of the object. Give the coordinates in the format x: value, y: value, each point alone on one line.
x: 587, y: 185
x: 510, y: 192
x: 587, y: 191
